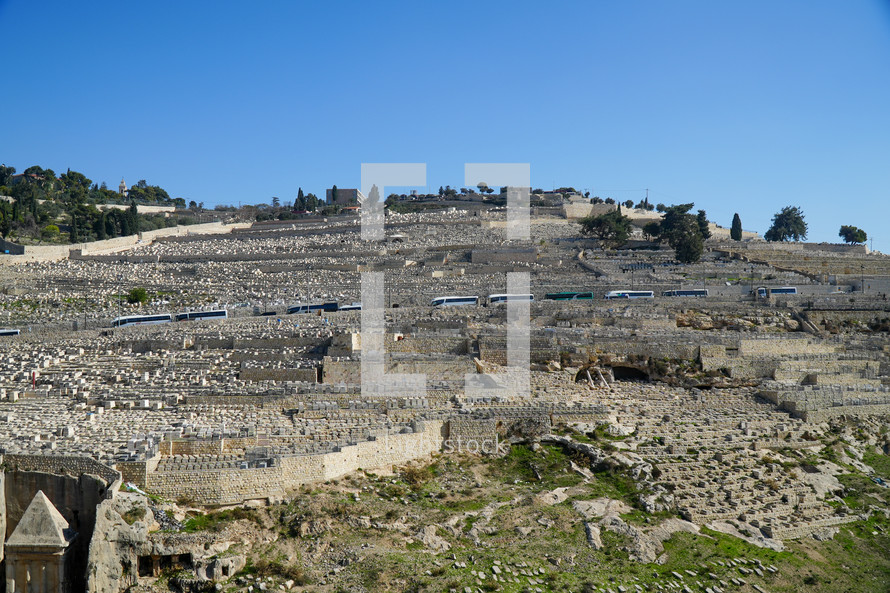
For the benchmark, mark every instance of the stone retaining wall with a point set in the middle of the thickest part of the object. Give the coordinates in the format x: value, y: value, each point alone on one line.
x: 60, y: 252
x: 60, y: 464
x: 232, y: 486
x: 305, y: 374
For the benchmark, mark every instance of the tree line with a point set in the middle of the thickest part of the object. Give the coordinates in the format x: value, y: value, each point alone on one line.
x: 686, y: 232
x: 39, y: 205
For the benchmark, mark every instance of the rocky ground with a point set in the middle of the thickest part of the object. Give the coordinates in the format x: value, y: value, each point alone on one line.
x: 547, y: 516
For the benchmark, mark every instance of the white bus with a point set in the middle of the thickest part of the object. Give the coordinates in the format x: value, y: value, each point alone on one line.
x: 10, y: 332
x: 141, y: 320
x: 494, y: 299
x: 693, y: 292
x: 630, y: 294
x: 452, y: 301
x: 313, y: 307
x: 762, y: 291
x: 197, y: 315
x: 568, y: 296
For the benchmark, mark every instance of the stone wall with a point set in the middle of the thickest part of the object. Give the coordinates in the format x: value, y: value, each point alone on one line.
x: 814, y: 403
x: 350, y: 371
x: 464, y: 431
x: 132, y: 472
x: 232, y: 486
x: 780, y: 347
x: 70, y: 465
x: 657, y: 348
x: 575, y: 210
x: 426, y: 344
x: 205, y: 446
x: 819, y: 318
x: 305, y: 374
x: 10, y: 248
x: 489, y: 256
x: 60, y: 252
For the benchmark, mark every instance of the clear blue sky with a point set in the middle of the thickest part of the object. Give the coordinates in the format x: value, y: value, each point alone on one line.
x: 739, y: 107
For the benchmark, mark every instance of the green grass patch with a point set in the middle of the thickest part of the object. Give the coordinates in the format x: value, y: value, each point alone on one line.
x: 860, y: 491
x: 547, y: 468
x: 216, y: 521
x: 880, y: 463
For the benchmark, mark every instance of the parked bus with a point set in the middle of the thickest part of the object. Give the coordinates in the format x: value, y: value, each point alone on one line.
x: 452, y: 301
x: 763, y: 290
x: 692, y: 292
x: 568, y: 296
x: 630, y: 294
x: 10, y: 332
x: 197, y: 315
x: 329, y: 306
x: 495, y: 299
x: 141, y: 320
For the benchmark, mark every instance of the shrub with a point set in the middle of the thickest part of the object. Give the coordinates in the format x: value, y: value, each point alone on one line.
x: 137, y: 295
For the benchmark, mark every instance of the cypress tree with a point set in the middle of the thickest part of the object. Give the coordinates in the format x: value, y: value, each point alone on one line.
x: 735, y: 232
x: 74, y: 235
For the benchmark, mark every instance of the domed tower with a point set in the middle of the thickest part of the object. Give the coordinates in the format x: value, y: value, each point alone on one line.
x: 122, y: 188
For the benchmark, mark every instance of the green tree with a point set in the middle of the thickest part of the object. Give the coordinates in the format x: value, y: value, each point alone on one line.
x: 671, y: 226
x: 652, y: 229
x: 688, y: 241
x: 45, y: 178
x: 703, y: 228
x: 735, y: 232
x: 99, y: 228
x: 629, y: 203
x: 137, y: 295
x: 74, y: 234
x: 6, y: 174
x: 6, y: 217
x: 50, y: 232
x: 787, y: 224
x: 124, y: 222
x: 334, y: 194
x: 72, y: 179
x: 300, y: 202
x: 132, y: 217
x: 851, y: 234
x: 682, y: 231
x: 612, y: 228
x: 143, y: 193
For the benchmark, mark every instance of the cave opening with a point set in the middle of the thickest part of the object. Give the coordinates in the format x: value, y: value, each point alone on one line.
x: 626, y: 373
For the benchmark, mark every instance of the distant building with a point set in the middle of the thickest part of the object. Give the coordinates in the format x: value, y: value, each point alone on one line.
x: 16, y: 179
x: 122, y: 188
x: 344, y: 197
